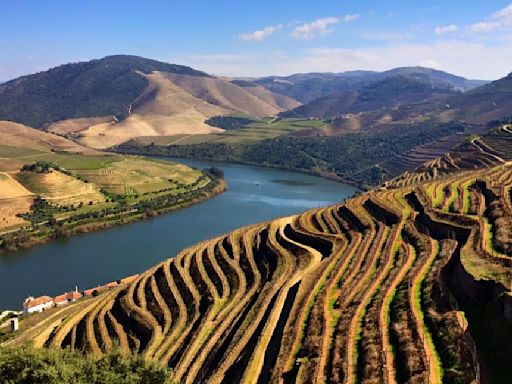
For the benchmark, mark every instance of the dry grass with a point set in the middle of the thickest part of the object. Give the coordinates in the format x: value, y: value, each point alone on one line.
x: 172, y: 111
x: 59, y: 188
x: 10, y: 188
x: 9, y: 208
x: 179, y: 104
x: 254, y: 101
x: 14, y: 199
x: 73, y: 126
x: 18, y: 135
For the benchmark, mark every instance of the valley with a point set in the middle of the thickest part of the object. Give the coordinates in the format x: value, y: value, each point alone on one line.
x: 253, y: 194
x: 348, y: 227
x: 325, y: 295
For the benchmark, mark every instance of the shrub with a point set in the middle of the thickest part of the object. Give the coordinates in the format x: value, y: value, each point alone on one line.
x: 51, y: 366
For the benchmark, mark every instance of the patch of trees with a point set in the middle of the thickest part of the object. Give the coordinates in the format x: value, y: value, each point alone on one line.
x: 229, y: 122
x: 215, y: 172
x: 43, y: 167
x: 40, y: 211
x: 15, y: 240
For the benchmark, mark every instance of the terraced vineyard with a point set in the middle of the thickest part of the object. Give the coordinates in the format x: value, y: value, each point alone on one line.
x: 373, y: 290
x: 478, y: 152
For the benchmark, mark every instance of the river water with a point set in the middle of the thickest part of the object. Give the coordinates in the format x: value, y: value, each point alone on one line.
x: 254, y: 194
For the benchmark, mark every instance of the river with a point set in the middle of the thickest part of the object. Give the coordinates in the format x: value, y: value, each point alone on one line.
x: 254, y: 194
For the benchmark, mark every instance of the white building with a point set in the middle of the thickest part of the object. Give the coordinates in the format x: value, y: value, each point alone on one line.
x: 37, y: 304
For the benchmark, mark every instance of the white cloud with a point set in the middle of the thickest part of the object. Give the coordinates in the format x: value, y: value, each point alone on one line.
x: 350, y: 18
x: 500, y: 20
x: 446, y: 29
x: 260, y: 34
x: 320, y: 27
x: 317, y: 27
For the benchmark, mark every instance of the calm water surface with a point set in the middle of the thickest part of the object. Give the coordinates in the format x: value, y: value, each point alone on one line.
x: 254, y: 194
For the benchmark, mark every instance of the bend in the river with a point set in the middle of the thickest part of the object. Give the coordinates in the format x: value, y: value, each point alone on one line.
x: 254, y: 194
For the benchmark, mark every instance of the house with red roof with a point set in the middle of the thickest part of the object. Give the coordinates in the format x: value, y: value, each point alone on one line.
x: 66, y: 298
x: 37, y: 304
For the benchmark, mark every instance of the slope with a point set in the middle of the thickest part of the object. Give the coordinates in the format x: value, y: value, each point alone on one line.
x: 492, y: 101
x: 164, y: 109
x: 18, y: 135
x: 369, y: 290
x: 390, y: 93
x: 102, y: 87
x: 255, y: 100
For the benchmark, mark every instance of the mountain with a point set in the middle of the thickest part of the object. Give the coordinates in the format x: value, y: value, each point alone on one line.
x: 310, y: 86
x: 391, y: 92
x: 107, y: 101
x: 85, y: 89
x: 492, y: 101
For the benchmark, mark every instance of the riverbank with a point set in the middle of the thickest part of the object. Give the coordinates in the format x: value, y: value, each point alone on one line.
x: 363, y: 159
x: 315, y: 172
x: 106, y: 218
x: 254, y: 194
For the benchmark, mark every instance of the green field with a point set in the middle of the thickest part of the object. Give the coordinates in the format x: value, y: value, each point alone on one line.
x: 257, y: 131
x: 131, y: 176
x: 77, y: 162
x: 81, y: 186
x: 8, y: 152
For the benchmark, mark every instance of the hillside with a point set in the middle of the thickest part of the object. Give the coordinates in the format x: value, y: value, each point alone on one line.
x: 401, y: 284
x: 21, y: 136
x: 362, y: 158
x: 389, y: 93
x: 104, y: 102
x: 53, y: 187
x: 307, y: 87
x: 86, y: 89
x: 492, y: 101
x: 181, y: 104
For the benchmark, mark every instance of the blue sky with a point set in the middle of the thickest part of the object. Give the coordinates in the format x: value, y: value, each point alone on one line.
x: 257, y: 38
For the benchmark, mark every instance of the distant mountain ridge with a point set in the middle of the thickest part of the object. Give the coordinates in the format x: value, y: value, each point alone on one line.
x: 390, y: 92
x: 307, y: 87
x: 105, y: 102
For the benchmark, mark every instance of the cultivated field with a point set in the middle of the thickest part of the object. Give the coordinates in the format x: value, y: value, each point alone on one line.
x: 22, y: 137
x: 140, y: 176
x: 78, y: 188
x: 60, y: 189
x: 261, y: 130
